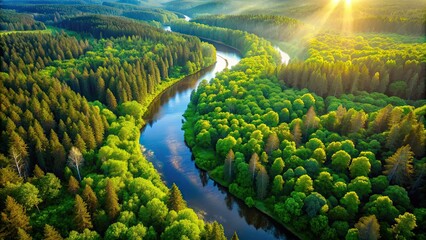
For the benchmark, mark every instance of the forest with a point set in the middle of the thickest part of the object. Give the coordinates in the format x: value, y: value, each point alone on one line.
x: 72, y: 131
x: 330, y: 146
x: 323, y: 166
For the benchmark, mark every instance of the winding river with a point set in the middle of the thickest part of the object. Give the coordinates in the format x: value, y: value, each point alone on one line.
x: 163, y: 144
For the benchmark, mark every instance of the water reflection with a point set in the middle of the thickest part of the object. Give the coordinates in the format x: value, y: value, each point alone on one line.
x: 163, y: 139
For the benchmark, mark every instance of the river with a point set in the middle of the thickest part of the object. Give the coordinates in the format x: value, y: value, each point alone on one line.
x: 163, y: 141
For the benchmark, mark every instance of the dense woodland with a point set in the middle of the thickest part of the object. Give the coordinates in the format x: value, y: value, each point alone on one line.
x: 12, y: 21
x: 322, y: 166
x: 67, y: 156
x: 331, y: 145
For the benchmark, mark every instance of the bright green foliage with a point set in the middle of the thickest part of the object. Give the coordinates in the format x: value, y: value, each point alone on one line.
x: 340, y: 160
x: 116, y: 231
x: 404, y: 226
x: 214, y: 231
x: 360, y: 185
x: 277, y: 167
x: 182, y: 229
x: 277, y: 185
x: 136, y: 232
x: 360, y: 166
x: 175, y: 200
x: 154, y: 213
x: 304, y: 184
x: 351, y: 201
x: 49, y: 186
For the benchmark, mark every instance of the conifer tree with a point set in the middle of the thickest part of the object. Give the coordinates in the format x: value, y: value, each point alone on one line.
x: 262, y: 181
x: 38, y: 173
x: 111, y: 201
x: 368, y: 227
x: 13, y: 218
x: 235, y: 236
x: 90, y: 198
x: 253, y: 164
x: 175, y: 200
x: 23, y: 235
x: 272, y: 143
x: 228, y: 168
x: 50, y: 233
x: 73, y: 185
x: 399, y: 166
x: 82, y: 218
x: 297, y: 135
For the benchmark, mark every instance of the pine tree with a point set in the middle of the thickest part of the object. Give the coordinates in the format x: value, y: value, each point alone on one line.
x: 110, y: 99
x: 50, y: 233
x: 13, y: 218
x: 38, y: 173
x: 368, y: 228
x: 272, y: 143
x: 399, y: 166
x: 111, y: 202
x: 253, y: 164
x: 229, y: 164
x: 73, y: 185
x: 82, y: 218
x: 18, y: 152
x: 235, y: 236
x: 23, y: 235
x: 262, y: 181
x: 175, y: 200
x: 297, y: 135
x: 90, y: 198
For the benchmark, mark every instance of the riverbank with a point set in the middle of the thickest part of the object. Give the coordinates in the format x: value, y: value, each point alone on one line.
x: 199, y: 154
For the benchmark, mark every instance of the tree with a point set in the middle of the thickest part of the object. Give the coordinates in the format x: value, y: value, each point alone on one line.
x: 277, y: 167
x: 90, y: 198
x: 272, y: 143
x: 182, y: 229
x: 229, y: 166
x: 214, y: 231
x: 111, y: 202
x: 297, y: 134
x: 50, y: 233
x: 304, y: 184
x: 360, y: 166
x: 111, y: 101
x: 262, y: 182
x: 18, y: 152
x: 404, y: 226
x: 23, y: 235
x: 75, y: 160
x: 175, y: 200
x: 399, y: 166
x: 82, y: 218
x: 368, y: 228
x: 277, y: 185
x: 314, y: 203
x: 38, y: 173
x: 49, y: 186
x: 154, y: 213
x: 253, y: 164
x: 235, y: 236
x: 351, y: 201
x: 361, y: 185
x: 340, y: 160
x: 13, y: 218
x: 27, y: 195
x: 73, y: 185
